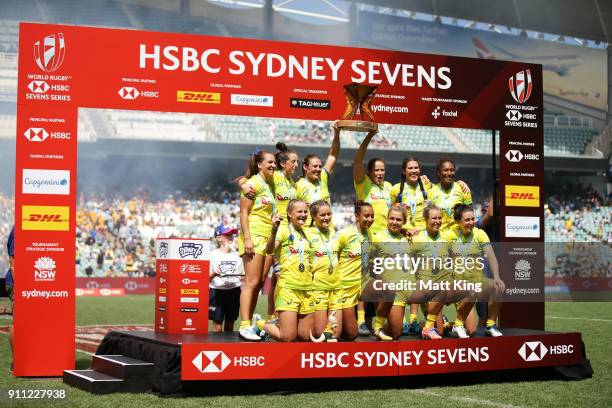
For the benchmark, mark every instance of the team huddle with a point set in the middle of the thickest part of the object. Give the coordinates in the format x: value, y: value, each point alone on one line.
x: 323, y: 282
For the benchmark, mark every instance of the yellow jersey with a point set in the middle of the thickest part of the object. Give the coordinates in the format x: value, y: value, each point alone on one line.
x: 294, y: 255
x: 311, y: 192
x: 433, y: 252
x: 413, y: 201
x: 447, y: 200
x: 469, y: 246
x: 284, y: 191
x: 264, y: 205
x: 380, y: 198
x: 325, y: 273
x: 350, y: 260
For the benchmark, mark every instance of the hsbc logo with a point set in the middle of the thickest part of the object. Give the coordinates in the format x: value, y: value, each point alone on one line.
x: 36, y: 134
x: 187, y: 281
x: 520, y: 86
x: 49, y: 55
x: 211, y: 361
x: 514, y: 115
x: 532, y: 351
x: 128, y: 92
x: 38, y: 86
x: 516, y: 156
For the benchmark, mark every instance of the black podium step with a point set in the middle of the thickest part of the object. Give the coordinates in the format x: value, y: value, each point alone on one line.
x: 93, y: 381
x: 113, y: 373
x: 130, y: 369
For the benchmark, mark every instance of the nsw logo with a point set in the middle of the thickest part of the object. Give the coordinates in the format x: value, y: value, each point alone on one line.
x: 211, y: 361
x: 532, y: 351
x: 522, y: 270
x: 49, y: 55
x: 520, y: 86
x: 44, y: 269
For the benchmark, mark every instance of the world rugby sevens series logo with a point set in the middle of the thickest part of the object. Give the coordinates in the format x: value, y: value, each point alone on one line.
x: 520, y: 86
x: 50, y: 55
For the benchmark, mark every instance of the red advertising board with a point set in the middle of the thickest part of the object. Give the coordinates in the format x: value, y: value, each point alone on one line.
x: 225, y: 361
x: 62, y: 68
x: 129, y: 286
x: 181, y: 294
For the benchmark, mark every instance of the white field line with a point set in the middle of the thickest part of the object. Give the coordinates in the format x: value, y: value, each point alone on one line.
x: 469, y: 400
x: 579, y: 318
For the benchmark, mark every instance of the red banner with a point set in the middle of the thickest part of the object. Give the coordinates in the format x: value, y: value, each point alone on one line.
x: 232, y: 361
x: 129, y: 286
x: 62, y: 68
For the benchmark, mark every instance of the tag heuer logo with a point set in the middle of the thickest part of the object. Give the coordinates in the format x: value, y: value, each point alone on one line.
x: 514, y: 156
x: 128, y: 92
x: 532, y: 351
x: 211, y: 361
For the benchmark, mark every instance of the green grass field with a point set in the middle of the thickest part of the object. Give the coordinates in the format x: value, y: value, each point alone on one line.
x: 594, y: 320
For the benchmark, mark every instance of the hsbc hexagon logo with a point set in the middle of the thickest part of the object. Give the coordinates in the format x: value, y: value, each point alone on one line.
x: 514, y: 115
x: 36, y: 134
x: 514, y: 156
x: 211, y: 361
x: 49, y: 55
x: 129, y: 92
x: 532, y: 351
x: 38, y: 86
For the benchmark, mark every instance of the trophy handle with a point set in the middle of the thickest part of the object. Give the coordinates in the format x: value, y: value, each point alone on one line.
x: 364, y: 109
x: 351, y: 106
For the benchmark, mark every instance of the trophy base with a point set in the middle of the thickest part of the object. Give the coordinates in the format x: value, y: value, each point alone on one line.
x: 357, y: 125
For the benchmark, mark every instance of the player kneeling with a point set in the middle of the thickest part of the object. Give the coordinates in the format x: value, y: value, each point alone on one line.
x: 472, y: 246
x: 293, y: 299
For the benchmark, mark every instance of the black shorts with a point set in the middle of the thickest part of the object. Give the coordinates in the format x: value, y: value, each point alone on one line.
x: 223, y: 304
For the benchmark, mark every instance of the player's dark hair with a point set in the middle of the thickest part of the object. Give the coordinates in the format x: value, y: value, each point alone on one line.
x: 359, y: 205
x: 398, y: 209
x: 441, y: 163
x: 283, y: 154
x: 315, y: 208
x: 460, y: 209
x: 254, y: 159
x: 372, y: 163
x: 306, y: 162
x: 428, y: 209
x: 405, y: 162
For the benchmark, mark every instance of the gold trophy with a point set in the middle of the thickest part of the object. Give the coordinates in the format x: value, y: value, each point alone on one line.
x: 358, y: 98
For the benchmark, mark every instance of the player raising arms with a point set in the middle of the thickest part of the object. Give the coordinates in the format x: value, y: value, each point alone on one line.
x: 325, y: 274
x: 432, y: 244
x: 293, y: 301
x: 352, y: 247
x: 372, y: 188
x: 473, y: 243
x: 447, y: 193
x: 255, y: 228
x: 313, y: 185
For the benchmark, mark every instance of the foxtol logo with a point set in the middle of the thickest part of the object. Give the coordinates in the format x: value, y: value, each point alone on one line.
x: 128, y: 92
x: 44, y: 269
x: 163, y: 249
x: 38, y: 86
x: 190, y: 249
x: 436, y: 112
x: 36, y: 134
x: 522, y: 270
x: 49, y: 55
x: 211, y: 361
x: 310, y: 103
x: 520, y: 86
x: 532, y: 351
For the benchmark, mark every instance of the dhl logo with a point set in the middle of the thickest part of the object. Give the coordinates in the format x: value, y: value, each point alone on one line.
x: 190, y: 291
x: 198, y: 97
x: 522, y: 196
x: 162, y: 290
x: 45, y: 218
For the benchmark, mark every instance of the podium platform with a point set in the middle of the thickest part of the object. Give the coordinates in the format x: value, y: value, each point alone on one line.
x: 207, y: 363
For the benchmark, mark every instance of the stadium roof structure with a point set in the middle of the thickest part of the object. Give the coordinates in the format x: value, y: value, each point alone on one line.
x: 582, y: 19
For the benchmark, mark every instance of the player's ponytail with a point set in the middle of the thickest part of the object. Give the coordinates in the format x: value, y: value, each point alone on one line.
x: 256, y: 157
x: 282, y: 155
x: 460, y: 209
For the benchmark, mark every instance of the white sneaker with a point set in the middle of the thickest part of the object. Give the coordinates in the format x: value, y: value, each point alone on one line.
x: 249, y: 333
x: 460, y: 332
x: 493, y: 331
x: 380, y: 335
